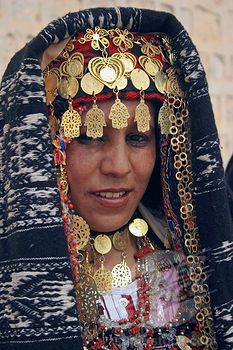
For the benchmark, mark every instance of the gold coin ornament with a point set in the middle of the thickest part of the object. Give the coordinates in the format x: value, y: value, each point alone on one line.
x: 81, y: 231
x: 90, y: 85
x: 102, y: 244
x: 103, y: 279
x: 68, y: 87
x: 138, y: 227
x: 71, y: 122
x: 121, y: 275
x: 120, y: 240
x: 160, y: 80
x: 151, y: 65
x: 140, y: 79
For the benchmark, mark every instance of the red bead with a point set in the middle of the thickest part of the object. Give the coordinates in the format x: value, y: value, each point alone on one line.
x: 70, y: 206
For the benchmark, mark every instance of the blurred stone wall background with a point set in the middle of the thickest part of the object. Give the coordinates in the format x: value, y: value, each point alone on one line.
x: 209, y: 22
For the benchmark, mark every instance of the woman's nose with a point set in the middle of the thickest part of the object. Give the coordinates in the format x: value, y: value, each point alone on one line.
x: 116, y: 160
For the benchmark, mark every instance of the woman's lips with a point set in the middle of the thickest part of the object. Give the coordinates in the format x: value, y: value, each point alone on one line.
x: 112, y: 198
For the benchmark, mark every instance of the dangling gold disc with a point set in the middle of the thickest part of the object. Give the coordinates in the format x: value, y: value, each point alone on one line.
x: 140, y: 79
x: 160, y: 80
x: 108, y: 74
x: 120, y: 240
x: 68, y: 87
x: 138, y: 227
x: 90, y: 85
x: 102, y: 244
x: 121, y: 275
x: 81, y: 231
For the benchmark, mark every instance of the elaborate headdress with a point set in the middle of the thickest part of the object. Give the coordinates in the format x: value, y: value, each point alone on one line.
x: 30, y: 200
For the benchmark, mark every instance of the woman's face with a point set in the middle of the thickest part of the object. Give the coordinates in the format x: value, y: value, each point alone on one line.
x: 108, y: 176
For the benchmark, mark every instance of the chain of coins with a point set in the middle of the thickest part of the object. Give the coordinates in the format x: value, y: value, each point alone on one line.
x: 178, y: 114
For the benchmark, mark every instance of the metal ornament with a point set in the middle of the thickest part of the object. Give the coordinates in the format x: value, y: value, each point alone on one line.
x: 102, y: 244
x: 81, y: 231
x: 103, y: 279
x: 183, y: 342
x: 86, y: 297
x: 95, y: 122
x: 121, y: 274
x: 160, y: 80
x: 71, y: 122
x: 128, y: 59
x: 142, y: 116
x: 140, y: 79
x: 164, y: 120
x: 138, y: 227
x: 120, y: 240
x: 151, y: 65
x: 119, y: 114
x: 90, y: 85
x: 68, y: 87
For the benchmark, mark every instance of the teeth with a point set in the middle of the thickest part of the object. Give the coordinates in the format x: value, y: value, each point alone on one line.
x: 110, y: 194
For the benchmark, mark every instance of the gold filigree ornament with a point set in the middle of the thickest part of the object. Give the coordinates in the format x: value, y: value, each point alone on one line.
x: 138, y: 227
x: 142, y: 115
x: 128, y: 59
x: 119, y: 114
x: 164, y: 120
x: 121, y: 274
x: 95, y: 122
x: 71, y: 122
x: 151, y: 65
x: 87, y: 296
x: 149, y: 49
x: 123, y: 39
x: 63, y: 180
x: 74, y: 65
x: 53, y: 125
x: 81, y: 231
x: 103, y: 278
x: 106, y: 70
x: 98, y: 38
x: 172, y: 85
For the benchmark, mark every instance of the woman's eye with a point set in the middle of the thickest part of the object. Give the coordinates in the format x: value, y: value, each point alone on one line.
x: 84, y: 139
x: 137, y: 139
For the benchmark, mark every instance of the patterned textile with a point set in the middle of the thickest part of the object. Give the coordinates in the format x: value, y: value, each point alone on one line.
x: 37, y: 298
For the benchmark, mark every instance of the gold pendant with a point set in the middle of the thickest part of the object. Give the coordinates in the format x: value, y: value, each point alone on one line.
x: 183, y: 341
x: 138, y: 227
x: 119, y: 115
x: 51, y: 79
x: 53, y: 126
x: 81, y: 231
x: 140, y: 79
x: 107, y: 71
x: 121, y: 275
x: 120, y: 240
x: 90, y: 85
x: 163, y: 119
x: 95, y: 122
x: 102, y: 244
x: 71, y: 122
x: 68, y: 87
x: 103, y: 279
x: 142, y: 117
x: 160, y: 80
x: 86, y: 297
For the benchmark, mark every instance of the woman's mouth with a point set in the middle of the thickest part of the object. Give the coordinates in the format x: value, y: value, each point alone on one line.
x: 110, y: 195
x: 112, y: 199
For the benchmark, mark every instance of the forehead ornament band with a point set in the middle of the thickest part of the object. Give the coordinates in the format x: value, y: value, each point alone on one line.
x: 146, y: 70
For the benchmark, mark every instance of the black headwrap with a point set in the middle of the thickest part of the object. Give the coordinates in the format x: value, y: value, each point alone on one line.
x: 37, y: 298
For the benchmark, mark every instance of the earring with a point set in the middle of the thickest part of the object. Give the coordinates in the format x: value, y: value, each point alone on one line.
x: 142, y: 115
x: 63, y: 181
x: 95, y: 121
x: 71, y: 122
x: 118, y: 113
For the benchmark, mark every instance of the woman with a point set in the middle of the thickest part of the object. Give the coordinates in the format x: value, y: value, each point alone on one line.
x: 137, y: 187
